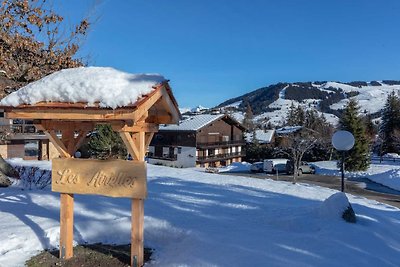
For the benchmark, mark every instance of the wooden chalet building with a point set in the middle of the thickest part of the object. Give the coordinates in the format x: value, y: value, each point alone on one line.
x: 204, y: 140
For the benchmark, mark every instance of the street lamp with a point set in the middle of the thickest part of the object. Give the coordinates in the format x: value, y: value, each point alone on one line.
x: 343, y: 141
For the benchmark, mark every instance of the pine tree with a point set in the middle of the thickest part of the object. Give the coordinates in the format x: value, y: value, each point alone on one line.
x: 390, y: 124
x: 290, y: 117
x: 357, y: 159
x: 248, y: 119
x: 104, y: 143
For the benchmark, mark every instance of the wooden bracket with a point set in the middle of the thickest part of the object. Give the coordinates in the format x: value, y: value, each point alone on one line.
x: 130, y: 144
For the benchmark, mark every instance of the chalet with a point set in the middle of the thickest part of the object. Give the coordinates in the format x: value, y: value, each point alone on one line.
x: 204, y: 140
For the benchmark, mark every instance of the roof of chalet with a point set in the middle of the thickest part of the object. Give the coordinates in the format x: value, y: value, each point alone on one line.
x: 195, y: 123
x: 288, y: 130
x: 262, y: 136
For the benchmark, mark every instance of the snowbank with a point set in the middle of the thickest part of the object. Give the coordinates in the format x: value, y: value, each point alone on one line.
x: 108, y: 87
x: 334, y: 206
x: 236, y: 167
x: 386, y: 173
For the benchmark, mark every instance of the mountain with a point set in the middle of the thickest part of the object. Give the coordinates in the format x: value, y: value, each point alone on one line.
x: 271, y: 103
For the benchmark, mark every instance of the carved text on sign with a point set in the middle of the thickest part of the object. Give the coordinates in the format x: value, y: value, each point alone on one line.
x: 116, y: 178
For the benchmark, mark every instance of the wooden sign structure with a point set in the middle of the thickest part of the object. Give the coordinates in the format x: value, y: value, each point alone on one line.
x: 136, y: 124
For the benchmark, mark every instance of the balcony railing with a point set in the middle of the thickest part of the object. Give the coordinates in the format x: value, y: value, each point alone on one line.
x: 220, y: 144
x: 221, y: 156
x: 18, y: 128
x: 170, y: 158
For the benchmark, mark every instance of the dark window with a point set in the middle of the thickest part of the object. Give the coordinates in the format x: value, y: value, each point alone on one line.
x: 171, y: 152
x: 179, y: 150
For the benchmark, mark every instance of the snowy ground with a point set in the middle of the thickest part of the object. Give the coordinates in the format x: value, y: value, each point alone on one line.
x: 194, y: 218
x: 386, y: 173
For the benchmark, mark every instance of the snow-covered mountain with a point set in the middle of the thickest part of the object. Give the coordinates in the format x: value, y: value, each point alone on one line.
x: 270, y: 104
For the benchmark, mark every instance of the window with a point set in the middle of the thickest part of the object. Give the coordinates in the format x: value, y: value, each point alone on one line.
x: 31, y: 148
x: 179, y: 150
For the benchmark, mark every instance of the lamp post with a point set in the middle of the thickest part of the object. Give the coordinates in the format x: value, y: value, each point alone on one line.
x: 343, y: 141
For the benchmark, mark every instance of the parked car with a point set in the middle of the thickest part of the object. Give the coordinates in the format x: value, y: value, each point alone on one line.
x: 257, y: 167
x: 304, y: 167
x: 274, y: 165
x: 391, y: 156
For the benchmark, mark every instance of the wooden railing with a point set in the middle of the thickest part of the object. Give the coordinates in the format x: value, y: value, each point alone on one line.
x: 18, y: 128
x: 220, y: 143
x: 221, y: 156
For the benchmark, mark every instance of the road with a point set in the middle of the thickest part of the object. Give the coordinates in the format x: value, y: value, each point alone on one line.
x: 359, y: 187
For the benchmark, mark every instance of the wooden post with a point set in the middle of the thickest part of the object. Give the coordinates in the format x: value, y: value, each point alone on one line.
x: 66, y: 206
x: 137, y: 219
x: 66, y: 225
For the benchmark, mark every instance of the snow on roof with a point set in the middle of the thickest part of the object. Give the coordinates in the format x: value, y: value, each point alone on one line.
x: 288, y: 129
x: 263, y: 137
x: 193, y: 123
x: 106, y: 86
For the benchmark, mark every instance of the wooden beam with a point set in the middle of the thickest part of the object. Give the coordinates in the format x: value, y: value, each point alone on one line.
x: 147, y: 104
x: 71, y: 114
x: 138, y: 211
x: 170, y: 107
x: 65, y: 125
x: 67, y: 137
x: 138, y: 127
x: 80, y: 139
x: 139, y: 139
x: 148, y: 138
x: 137, y: 257
x: 66, y: 225
x: 57, y: 144
x: 130, y: 144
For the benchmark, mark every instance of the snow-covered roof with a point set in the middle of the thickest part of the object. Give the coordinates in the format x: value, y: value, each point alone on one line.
x: 263, y: 137
x: 288, y: 129
x: 107, y: 87
x: 193, y: 123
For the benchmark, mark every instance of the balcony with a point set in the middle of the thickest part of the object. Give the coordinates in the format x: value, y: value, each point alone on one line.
x: 18, y: 128
x: 220, y: 144
x: 169, y: 158
x: 224, y: 156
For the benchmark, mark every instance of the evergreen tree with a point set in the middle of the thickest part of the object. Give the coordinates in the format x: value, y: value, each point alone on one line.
x: 104, y: 143
x: 357, y: 159
x: 290, y: 117
x: 370, y: 128
x: 390, y: 124
x: 248, y: 119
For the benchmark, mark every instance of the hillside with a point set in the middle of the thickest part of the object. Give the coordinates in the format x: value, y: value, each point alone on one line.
x: 270, y: 104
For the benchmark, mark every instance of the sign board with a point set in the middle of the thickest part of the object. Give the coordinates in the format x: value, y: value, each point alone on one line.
x: 114, y: 178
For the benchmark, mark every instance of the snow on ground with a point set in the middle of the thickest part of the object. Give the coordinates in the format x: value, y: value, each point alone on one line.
x: 110, y: 87
x: 194, y: 218
x: 386, y: 173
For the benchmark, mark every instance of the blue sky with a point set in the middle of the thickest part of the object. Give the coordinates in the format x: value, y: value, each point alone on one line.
x: 212, y: 50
